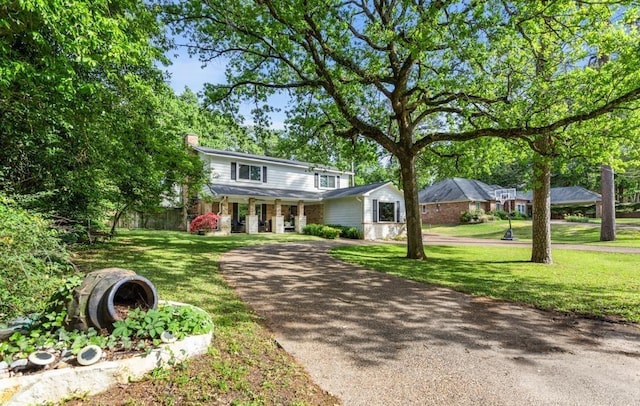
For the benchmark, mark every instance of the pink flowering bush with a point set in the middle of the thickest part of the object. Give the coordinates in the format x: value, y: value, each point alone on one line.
x: 205, y: 222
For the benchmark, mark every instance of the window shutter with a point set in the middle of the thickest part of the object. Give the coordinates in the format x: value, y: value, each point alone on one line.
x: 316, y: 180
x: 397, y: 211
x: 233, y: 171
x: 337, y: 182
x: 374, y: 210
x: 264, y: 174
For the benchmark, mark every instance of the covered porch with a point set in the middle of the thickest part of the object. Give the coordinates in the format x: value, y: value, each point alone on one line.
x: 253, y: 210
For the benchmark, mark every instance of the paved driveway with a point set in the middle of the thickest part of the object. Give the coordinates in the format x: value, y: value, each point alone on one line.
x: 373, y: 339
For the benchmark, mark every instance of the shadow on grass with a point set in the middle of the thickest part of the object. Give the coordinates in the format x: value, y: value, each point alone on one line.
x: 181, y: 266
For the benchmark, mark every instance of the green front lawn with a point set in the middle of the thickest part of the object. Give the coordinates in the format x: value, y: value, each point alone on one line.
x: 569, y: 233
x: 589, y: 283
x: 244, y: 364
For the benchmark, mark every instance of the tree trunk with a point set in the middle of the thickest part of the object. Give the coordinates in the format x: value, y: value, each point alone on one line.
x: 415, y: 247
x: 116, y: 218
x: 184, y: 225
x: 541, y: 233
x: 608, y: 225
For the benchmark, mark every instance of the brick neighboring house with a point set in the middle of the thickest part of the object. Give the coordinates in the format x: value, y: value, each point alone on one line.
x: 445, y: 201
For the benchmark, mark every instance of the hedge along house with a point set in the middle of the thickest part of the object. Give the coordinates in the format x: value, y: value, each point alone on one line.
x: 445, y: 201
x: 256, y: 194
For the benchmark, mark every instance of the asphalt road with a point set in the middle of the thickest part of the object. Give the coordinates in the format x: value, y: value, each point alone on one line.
x: 373, y: 339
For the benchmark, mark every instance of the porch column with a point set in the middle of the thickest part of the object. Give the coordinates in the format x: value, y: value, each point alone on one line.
x: 301, y: 220
x: 225, y: 218
x: 277, y: 221
x: 251, y: 221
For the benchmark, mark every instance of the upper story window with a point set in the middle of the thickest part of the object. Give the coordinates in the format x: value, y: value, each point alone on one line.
x: 254, y: 173
x: 249, y: 172
x: 326, y: 181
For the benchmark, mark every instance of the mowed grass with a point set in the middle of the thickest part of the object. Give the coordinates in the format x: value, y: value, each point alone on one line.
x: 244, y: 364
x: 588, y: 283
x: 569, y: 233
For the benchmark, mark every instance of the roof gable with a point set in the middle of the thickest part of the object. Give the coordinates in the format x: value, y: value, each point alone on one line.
x: 355, y: 190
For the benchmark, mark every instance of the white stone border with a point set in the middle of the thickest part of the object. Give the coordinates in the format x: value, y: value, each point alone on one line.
x: 58, y: 384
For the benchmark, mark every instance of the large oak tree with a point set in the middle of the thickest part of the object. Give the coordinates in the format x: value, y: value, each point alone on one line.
x: 410, y: 73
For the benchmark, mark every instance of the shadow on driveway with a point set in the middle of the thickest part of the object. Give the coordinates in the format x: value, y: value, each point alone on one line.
x: 371, y: 338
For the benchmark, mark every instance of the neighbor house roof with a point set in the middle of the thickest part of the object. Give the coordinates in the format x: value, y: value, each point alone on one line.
x: 570, y: 195
x: 457, y: 190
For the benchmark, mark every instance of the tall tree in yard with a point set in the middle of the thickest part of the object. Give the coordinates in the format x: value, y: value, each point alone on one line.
x: 608, y: 226
x: 410, y: 73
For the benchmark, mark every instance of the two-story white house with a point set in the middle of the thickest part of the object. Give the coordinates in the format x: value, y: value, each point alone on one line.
x: 256, y: 194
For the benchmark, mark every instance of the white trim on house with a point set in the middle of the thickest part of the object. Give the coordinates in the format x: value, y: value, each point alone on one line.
x: 287, y: 183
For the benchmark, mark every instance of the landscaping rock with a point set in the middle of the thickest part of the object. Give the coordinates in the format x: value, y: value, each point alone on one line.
x: 19, y: 364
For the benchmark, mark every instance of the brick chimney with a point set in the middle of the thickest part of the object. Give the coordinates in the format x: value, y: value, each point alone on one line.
x: 191, y: 139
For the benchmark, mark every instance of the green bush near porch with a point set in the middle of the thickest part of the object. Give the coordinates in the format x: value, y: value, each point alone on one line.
x: 320, y: 230
x: 348, y: 231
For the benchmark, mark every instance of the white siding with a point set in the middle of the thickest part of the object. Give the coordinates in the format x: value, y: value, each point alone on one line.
x: 279, y: 176
x: 375, y: 231
x: 344, y: 212
x: 386, y: 194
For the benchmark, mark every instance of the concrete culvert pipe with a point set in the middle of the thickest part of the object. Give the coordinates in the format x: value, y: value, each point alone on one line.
x: 107, y: 295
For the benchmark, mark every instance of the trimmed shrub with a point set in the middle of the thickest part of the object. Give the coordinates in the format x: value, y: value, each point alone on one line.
x: 487, y: 218
x: 466, y: 217
x: 516, y: 215
x: 204, y: 222
x: 348, y: 231
x: 320, y: 230
x: 471, y: 216
x: 312, y: 229
x: 33, y: 262
x: 501, y: 214
x: 576, y: 218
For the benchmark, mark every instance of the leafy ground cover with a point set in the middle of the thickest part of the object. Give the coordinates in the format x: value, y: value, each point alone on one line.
x: 244, y: 365
x: 569, y: 233
x: 589, y: 283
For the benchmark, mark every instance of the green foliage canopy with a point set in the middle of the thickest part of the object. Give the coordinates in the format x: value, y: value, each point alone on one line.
x: 84, y: 125
x: 407, y: 74
x: 33, y: 261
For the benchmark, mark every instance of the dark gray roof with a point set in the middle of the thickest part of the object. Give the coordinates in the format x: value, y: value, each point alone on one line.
x: 353, y: 191
x: 224, y: 190
x: 457, y: 190
x: 570, y: 195
x: 232, y: 154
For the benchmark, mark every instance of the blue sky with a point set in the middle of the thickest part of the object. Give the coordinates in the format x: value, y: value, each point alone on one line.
x: 188, y: 71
